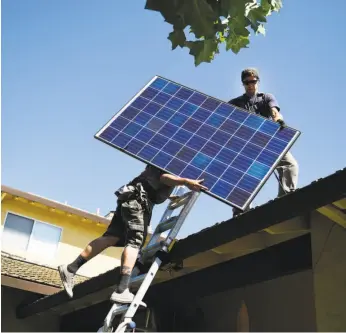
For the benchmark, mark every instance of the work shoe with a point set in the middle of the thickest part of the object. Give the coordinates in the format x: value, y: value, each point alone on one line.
x: 66, y: 279
x: 125, y: 297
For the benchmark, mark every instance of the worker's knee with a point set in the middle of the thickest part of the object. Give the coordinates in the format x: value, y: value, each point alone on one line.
x: 135, y: 238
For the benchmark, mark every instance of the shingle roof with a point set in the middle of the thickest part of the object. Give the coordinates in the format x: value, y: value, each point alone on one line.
x: 24, y: 270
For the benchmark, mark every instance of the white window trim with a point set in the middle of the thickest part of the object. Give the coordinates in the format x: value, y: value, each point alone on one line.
x: 35, y: 220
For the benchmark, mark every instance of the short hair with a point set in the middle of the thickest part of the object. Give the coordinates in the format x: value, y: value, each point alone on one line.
x: 249, y: 72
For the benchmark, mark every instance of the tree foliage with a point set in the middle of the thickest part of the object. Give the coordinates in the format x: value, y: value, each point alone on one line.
x: 212, y: 23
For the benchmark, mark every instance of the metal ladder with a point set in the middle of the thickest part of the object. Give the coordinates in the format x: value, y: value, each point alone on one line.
x: 180, y: 198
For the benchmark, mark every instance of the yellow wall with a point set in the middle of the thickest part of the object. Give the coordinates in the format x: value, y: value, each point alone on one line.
x: 283, y: 304
x: 75, y: 235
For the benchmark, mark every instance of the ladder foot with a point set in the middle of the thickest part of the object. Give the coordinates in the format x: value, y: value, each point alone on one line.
x: 103, y: 329
x: 132, y: 325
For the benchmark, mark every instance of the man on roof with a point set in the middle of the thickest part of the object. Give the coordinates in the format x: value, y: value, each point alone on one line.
x: 128, y: 226
x: 267, y: 106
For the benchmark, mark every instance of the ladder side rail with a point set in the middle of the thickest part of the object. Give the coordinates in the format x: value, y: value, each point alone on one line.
x: 118, y: 308
x: 139, y: 295
x: 178, y: 191
x: 154, y: 237
x: 115, y: 310
x: 182, y: 216
x: 150, y: 250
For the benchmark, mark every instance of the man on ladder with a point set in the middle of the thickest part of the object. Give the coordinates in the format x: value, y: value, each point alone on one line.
x: 129, y: 226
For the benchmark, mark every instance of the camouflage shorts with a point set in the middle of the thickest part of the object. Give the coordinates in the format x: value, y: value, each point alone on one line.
x: 130, y: 223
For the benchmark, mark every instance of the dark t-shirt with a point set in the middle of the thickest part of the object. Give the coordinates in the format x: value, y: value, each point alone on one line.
x: 150, y: 179
x: 260, y: 103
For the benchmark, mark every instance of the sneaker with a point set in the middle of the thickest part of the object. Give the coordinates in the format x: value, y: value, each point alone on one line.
x: 66, y: 279
x: 125, y: 297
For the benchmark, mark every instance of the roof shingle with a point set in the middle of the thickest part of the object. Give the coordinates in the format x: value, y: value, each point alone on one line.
x: 24, y: 270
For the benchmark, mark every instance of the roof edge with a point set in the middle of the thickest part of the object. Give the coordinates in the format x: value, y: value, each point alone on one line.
x: 317, y: 194
x: 54, y: 204
x: 54, y: 268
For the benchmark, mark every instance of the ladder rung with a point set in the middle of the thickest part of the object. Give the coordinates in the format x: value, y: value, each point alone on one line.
x: 120, y: 309
x: 136, y: 282
x: 152, y: 248
x: 164, y: 226
x: 179, y: 201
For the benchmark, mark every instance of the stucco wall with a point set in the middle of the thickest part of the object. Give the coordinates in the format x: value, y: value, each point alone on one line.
x: 75, y: 236
x: 329, y: 259
x: 282, y: 304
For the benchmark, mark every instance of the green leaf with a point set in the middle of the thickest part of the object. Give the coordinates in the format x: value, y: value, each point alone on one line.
x: 236, y: 43
x: 222, y: 37
x: 237, y: 25
x: 276, y: 5
x: 238, y: 34
x: 204, y: 19
x: 255, y: 16
x: 182, y: 13
x: 177, y: 37
x: 200, y: 16
x: 234, y: 7
x: 271, y: 5
x: 265, y: 4
x: 203, y: 51
x: 169, y: 10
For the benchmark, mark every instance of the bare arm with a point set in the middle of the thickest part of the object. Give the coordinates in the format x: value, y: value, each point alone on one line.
x: 275, y: 114
x: 274, y: 109
x: 171, y: 180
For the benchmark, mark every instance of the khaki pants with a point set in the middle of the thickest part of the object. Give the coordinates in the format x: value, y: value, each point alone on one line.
x: 288, y: 170
x: 288, y: 174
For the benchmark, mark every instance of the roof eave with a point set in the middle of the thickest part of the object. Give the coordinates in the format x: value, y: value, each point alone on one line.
x: 54, y: 204
x: 319, y: 193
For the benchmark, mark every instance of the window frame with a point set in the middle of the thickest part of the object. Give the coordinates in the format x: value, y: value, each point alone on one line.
x: 27, y: 253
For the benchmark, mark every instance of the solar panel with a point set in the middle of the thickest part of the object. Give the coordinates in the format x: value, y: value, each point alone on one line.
x: 190, y: 134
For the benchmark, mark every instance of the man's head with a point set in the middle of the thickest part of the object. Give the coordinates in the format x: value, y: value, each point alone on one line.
x: 250, y: 80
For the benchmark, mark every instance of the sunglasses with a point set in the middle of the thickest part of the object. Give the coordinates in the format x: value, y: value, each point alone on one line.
x: 250, y: 82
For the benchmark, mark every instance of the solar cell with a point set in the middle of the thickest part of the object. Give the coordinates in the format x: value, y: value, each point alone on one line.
x: 193, y: 135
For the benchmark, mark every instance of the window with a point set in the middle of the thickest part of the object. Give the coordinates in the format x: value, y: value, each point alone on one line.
x: 30, y: 238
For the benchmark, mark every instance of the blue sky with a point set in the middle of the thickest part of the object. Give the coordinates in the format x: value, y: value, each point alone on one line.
x: 69, y: 66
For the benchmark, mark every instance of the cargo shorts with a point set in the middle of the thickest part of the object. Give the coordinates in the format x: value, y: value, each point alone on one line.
x: 130, y: 223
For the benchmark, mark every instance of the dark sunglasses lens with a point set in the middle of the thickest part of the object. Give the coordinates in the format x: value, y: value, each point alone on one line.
x: 249, y: 82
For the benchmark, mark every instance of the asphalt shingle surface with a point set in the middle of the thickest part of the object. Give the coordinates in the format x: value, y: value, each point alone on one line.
x: 24, y: 270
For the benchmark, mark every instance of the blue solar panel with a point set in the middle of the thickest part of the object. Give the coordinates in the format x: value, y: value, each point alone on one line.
x: 193, y: 135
